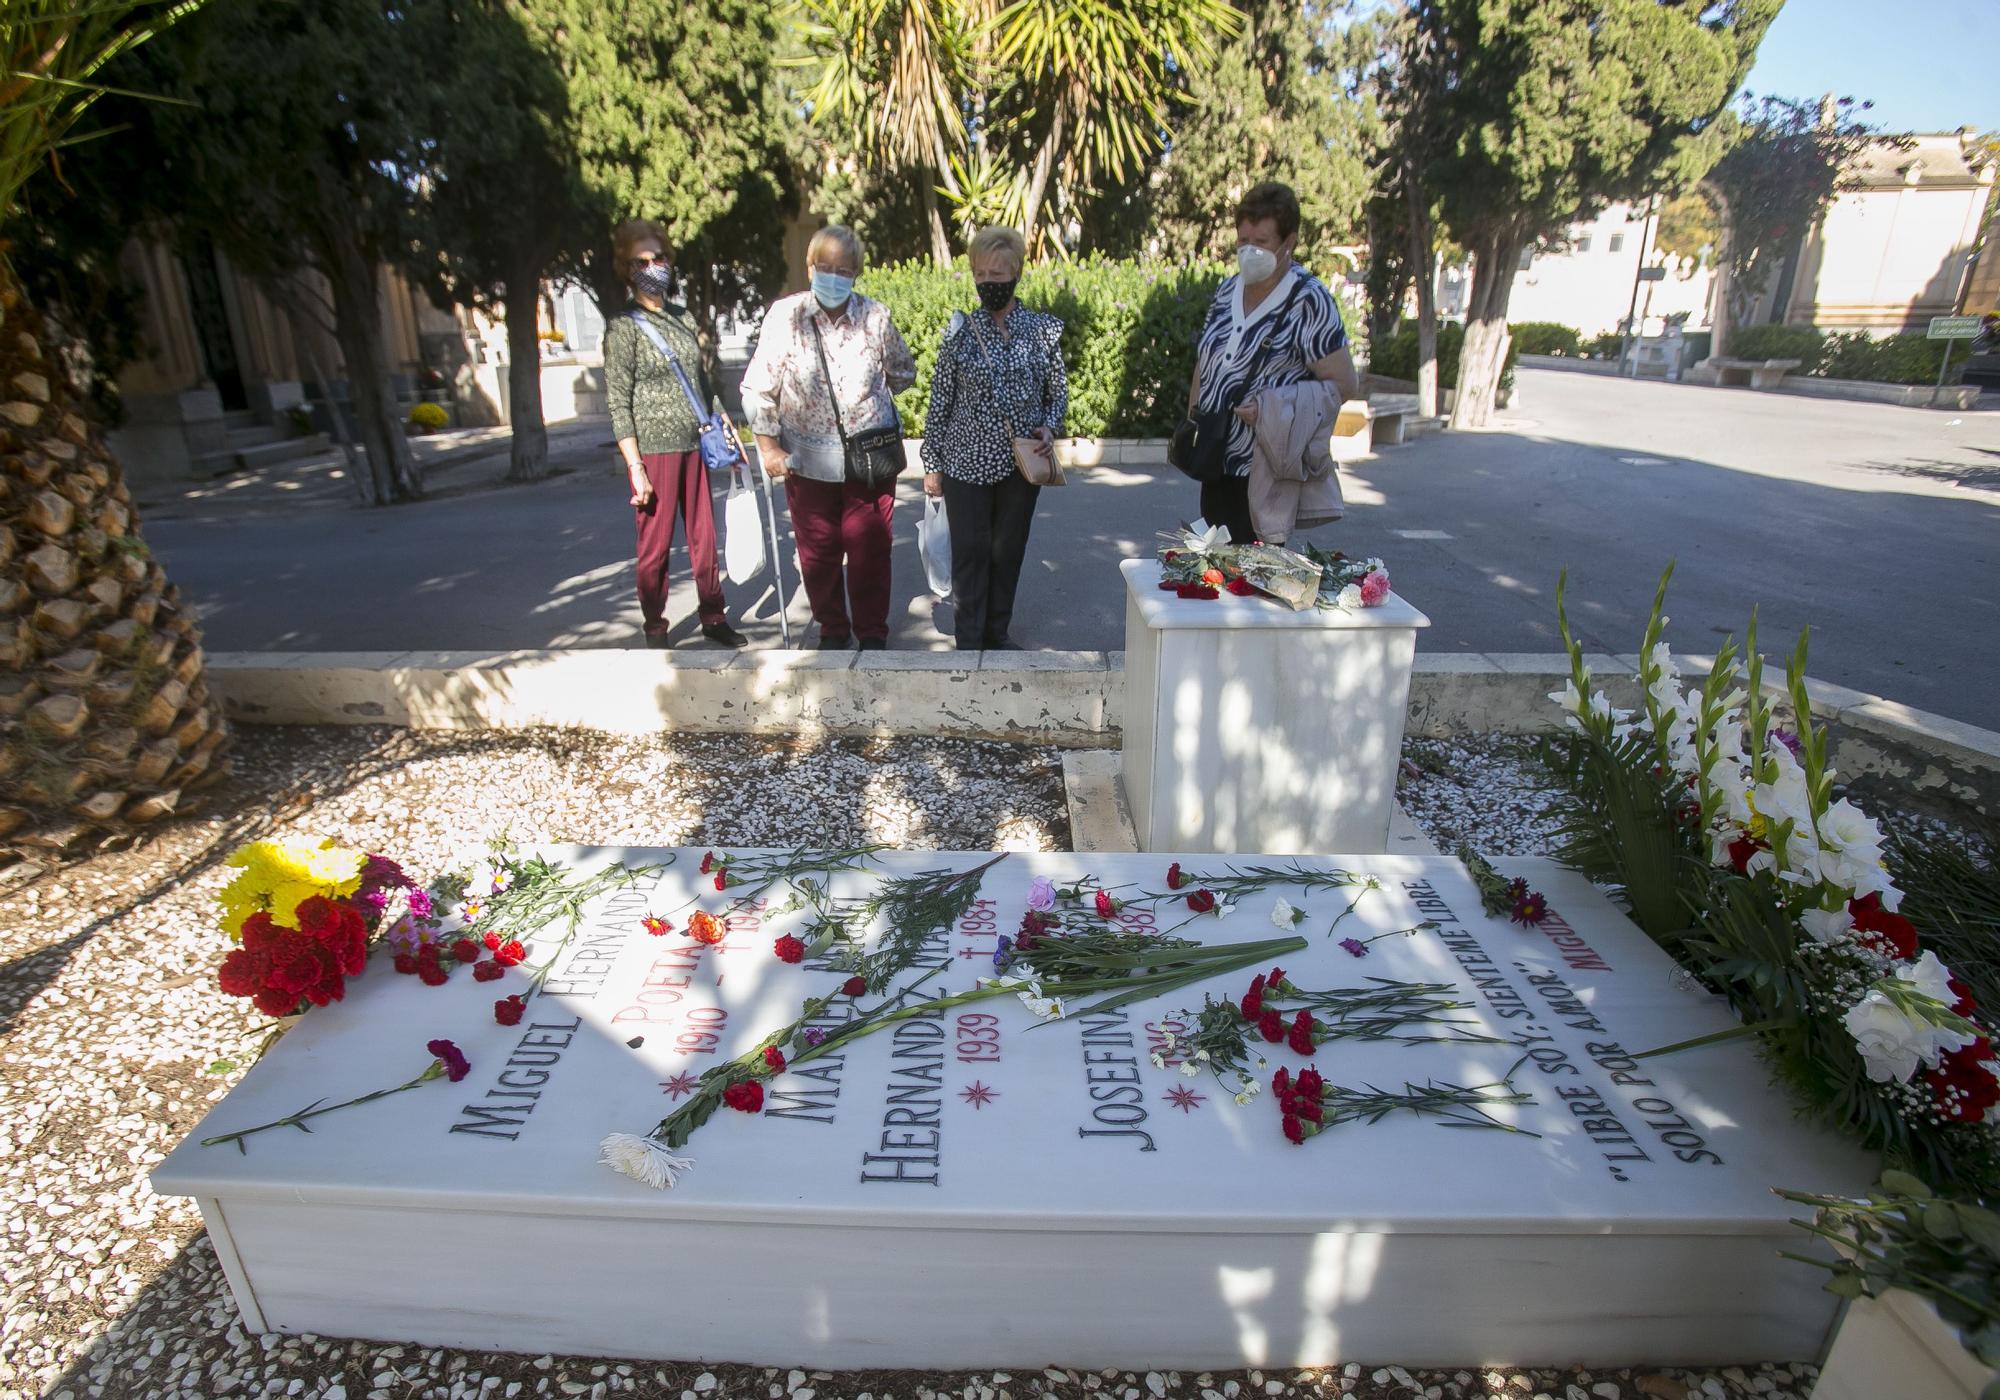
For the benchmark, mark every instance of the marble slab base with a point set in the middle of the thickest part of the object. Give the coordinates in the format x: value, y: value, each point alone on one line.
x: 1003, y: 1193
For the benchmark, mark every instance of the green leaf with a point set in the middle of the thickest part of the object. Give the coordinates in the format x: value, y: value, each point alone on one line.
x: 1941, y: 1221
x: 221, y: 1067
x: 1846, y: 1285
x: 1901, y: 1183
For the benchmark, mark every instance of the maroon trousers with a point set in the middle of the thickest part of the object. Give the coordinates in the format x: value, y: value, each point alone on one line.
x: 680, y: 486
x: 836, y: 521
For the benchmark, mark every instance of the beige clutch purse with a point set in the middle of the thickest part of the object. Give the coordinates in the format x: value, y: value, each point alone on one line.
x: 1040, y: 469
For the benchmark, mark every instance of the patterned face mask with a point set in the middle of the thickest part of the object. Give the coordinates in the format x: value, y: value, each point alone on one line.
x: 655, y: 280
x: 994, y: 295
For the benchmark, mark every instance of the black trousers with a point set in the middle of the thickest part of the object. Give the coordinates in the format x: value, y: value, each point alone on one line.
x: 989, y: 538
x: 1226, y: 501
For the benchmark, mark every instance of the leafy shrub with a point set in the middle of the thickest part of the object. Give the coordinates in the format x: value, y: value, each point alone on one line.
x: 1129, y: 330
x: 1607, y: 345
x: 1547, y: 338
x: 1896, y: 359
x: 1395, y: 356
x: 1801, y: 343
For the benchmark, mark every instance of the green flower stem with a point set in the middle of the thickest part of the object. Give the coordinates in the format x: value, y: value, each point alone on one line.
x: 314, y: 1110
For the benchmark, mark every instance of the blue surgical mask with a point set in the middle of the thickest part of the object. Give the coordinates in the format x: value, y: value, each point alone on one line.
x: 832, y: 289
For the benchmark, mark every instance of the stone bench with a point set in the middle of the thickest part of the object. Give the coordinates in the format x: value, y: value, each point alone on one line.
x: 1391, y: 415
x: 1758, y: 374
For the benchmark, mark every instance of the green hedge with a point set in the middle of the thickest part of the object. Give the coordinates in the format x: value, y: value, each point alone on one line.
x: 1896, y: 359
x: 1801, y: 343
x: 1547, y: 338
x: 1128, y: 337
x: 1395, y: 357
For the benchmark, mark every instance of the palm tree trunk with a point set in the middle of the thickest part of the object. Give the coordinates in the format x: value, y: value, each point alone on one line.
x: 940, y: 244
x: 1045, y: 160
x: 109, y: 720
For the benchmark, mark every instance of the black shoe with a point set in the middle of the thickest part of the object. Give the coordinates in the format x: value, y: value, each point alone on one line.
x: 827, y: 643
x: 659, y: 641
x: 723, y: 635
x: 874, y: 643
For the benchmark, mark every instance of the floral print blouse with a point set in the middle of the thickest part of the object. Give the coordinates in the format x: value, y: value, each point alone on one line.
x: 785, y: 391
x: 969, y: 435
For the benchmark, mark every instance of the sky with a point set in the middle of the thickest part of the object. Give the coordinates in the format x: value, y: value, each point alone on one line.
x: 1927, y: 65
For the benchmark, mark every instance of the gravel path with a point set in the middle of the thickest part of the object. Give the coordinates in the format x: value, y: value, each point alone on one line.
x: 108, y: 1018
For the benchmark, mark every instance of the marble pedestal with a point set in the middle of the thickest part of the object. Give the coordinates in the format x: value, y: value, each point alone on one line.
x: 977, y: 1189
x: 1250, y: 727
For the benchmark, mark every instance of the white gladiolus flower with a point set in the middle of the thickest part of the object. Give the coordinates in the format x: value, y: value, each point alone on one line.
x: 1202, y: 542
x: 1827, y: 925
x: 1847, y: 829
x: 644, y: 1159
x: 1893, y: 1043
x: 1930, y: 978
x: 1041, y: 1005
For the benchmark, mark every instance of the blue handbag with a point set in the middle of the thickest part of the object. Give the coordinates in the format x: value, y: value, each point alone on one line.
x: 721, y: 448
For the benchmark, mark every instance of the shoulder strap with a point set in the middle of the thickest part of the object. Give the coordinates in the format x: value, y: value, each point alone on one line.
x: 826, y: 372
x: 660, y: 344
x: 992, y: 375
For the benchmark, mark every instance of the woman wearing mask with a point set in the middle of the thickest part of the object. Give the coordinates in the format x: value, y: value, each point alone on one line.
x: 828, y: 366
x: 658, y: 436
x: 999, y: 376
x: 1271, y: 324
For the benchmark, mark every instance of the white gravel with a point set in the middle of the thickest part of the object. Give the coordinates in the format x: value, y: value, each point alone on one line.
x: 109, y: 1017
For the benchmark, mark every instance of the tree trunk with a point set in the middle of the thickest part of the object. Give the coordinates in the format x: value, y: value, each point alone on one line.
x: 940, y: 243
x: 1423, y: 270
x: 1045, y: 160
x: 358, y: 325
x: 286, y: 294
x: 1485, y: 353
x: 528, y: 458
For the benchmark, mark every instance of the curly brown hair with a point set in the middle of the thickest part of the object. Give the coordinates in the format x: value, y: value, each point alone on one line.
x: 1272, y: 201
x: 630, y: 235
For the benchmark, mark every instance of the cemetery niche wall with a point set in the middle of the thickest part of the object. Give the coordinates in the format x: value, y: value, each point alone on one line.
x: 984, y: 1183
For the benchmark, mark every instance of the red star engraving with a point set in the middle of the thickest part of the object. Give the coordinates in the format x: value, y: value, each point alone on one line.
x: 1184, y: 1098
x: 682, y: 1083
x: 978, y: 1095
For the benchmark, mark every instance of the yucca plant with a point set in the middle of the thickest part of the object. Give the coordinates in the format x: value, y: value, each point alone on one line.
x: 106, y: 722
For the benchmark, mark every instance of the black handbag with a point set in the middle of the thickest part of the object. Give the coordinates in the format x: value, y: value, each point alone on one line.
x: 874, y: 458
x: 1200, y: 445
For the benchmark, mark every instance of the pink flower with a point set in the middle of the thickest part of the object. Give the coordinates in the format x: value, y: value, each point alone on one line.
x: 1374, y: 589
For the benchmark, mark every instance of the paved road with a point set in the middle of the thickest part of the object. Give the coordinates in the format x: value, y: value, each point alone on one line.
x: 1879, y: 526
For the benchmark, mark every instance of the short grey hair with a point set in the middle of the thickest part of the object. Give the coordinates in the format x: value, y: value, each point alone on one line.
x: 992, y: 241
x: 836, y: 236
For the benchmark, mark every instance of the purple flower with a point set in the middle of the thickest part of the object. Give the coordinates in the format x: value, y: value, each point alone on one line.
x: 381, y: 873
x: 1042, y: 894
x: 1003, y: 953
x: 420, y: 903
x: 1788, y: 739
x: 1355, y: 946
x: 812, y: 1035
x: 456, y: 1066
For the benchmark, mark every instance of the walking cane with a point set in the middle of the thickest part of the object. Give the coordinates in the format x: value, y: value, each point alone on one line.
x: 777, y: 558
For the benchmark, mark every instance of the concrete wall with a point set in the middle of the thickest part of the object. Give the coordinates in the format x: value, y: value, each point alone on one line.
x: 1887, y: 260
x: 1068, y: 699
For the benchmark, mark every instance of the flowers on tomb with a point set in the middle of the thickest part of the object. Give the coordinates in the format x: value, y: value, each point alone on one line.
x: 508, y: 1010
x: 656, y: 925
x: 704, y: 927
x: 447, y: 1062
x: 645, y: 1159
x: 1308, y: 1105
x: 789, y: 949
x: 1203, y: 565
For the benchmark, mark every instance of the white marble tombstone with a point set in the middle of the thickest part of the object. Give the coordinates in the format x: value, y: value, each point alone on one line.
x: 1250, y: 727
x: 984, y: 1190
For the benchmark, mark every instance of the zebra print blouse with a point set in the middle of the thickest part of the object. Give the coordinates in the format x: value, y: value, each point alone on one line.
x: 1298, y: 337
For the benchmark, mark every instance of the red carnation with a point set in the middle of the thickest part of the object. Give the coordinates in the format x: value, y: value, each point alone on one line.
x: 854, y: 987
x: 1242, y: 587
x: 655, y: 925
x: 433, y: 975
x: 1962, y: 1087
x: 1965, y: 1005
x: 1174, y: 877
x: 1274, y: 978
x: 1892, y: 930
x: 486, y: 971
x: 774, y: 1059
x: 406, y: 963
x: 707, y: 862
x: 508, y: 1012
x: 1106, y: 905
x: 1281, y: 1085
x: 789, y: 949
x: 1295, y: 1131
x: 509, y: 953
x: 456, y: 1067
x: 1201, y: 901
x: 704, y: 927
x: 1167, y: 585
x: 1740, y: 851
x: 744, y: 1097
x: 273, y: 1002
x: 1310, y: 1083
x: 1309, y: 1109
x: 1170, y: 555
x: 1196, y: 590
x: 465, y: 950
x: 427, y: 953
x: 1253, y: 1000
x: 492, y: 941
x: 1301, y: 1037
x: 1271, y: 1026
x: 242, y: 973
x: 338, y: 928
x: 722, y: 879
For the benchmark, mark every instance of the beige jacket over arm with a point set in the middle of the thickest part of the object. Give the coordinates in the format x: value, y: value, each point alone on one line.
x: 1293, y: 482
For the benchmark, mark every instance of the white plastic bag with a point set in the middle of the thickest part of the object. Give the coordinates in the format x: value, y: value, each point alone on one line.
x: 934, y: 545
x: 742, y: 529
